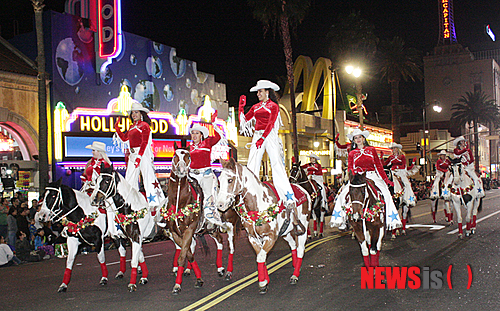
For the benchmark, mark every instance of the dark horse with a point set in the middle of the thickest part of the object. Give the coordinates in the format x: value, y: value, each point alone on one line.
x: 364, y: 214
x: 298, y: 176
x: 83, y: 224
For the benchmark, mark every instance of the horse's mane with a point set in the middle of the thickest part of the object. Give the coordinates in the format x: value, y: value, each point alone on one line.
x: 358, y: 179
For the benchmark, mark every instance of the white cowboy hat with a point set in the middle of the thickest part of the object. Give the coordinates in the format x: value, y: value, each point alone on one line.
x: 313, y: 155
x: 457, y: 140
x: 357, y: 132
x: 101, y: 147
x: 197, y: 127
x: 395, y: 145
x: 137, y: 107
x: 443, y: 152
x: 265, y: 84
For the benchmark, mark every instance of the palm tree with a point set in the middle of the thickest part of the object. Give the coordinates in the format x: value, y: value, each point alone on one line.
x: 43, y: 167
x: 281, y: 15
x: 395, y: 63
x: 353, y: 41
x: 475, y: 108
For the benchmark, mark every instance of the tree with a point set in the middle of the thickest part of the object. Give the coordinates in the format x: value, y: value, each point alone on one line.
x: 475, y: 108
x: 43, y: 164
x: 281, y: 15
x: 353, y: 41
x: 395, y: 62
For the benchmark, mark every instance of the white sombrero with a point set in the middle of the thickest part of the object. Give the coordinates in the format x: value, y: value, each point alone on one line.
x: 442, y: 152
x: 313, y: 155
x: 101, y: 147
x: 137, y: 107
x: 357, y: 132
x: 394, y: 145
x: 265, y: 84
x: 457, y: 140
x: 197, y: 127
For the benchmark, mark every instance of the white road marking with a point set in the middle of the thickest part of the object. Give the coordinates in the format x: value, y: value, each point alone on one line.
x: 431, y: 227
x: 128, y: 260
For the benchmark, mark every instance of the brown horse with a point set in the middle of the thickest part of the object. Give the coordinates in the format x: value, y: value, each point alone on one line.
x: 364, y: 211
x: 262, y: 216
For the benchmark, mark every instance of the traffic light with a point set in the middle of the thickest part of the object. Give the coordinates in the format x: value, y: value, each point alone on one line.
x: 418, y: 147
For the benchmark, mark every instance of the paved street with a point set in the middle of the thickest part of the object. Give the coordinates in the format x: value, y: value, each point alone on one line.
x: 330, y: 278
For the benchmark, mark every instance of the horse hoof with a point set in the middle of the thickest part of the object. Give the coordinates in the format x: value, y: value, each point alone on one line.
x: 132, y: 288
x: 187, y: 272
x: 309, y: 237
x: 139, y: 270
x: 103, y: 281
x: 315, y: 234
x: 174, y: 269
x: 177, y: 289
x: 460, y: 236
x: 119, y: 275
x: 228, y: 276
x: 263, y: 290
x: 221, y: 272
x: 143, y: 281
x: 62, y: 289
x: 294, y: 280
x: 199, y: 283
x: 403, y: 232
x: 467, y: 234
x: 393, y: 236
x: 473, y: 231
x: 321, y: 235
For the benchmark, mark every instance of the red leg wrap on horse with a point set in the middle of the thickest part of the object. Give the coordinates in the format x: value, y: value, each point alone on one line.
x: 467, y: 226
x: 451, y: 216
x: 261, y: 267
x: 176, y: 257
x: 133, y: 276
x: 474, y: 221
x: 296, y: 272
x: 460, y: 230
x: 315, y: 226
x: 144, y: 268
x: 230, y: 263
x: 67, y: 276
x: 189, y: 266
x: 445, y: 213
x: 367, y: 261
x: 308, y: 231
x: 219, y: 258
x: 321, y: 227
x: 267, y: 274
x: 196, y: 269
x: 374, y: 259
x: 294, y: 257
x: 123, y: 264
x: 404, y: 223
x: 180, y: 271
x: 433, y: 215
x: 104, y: 270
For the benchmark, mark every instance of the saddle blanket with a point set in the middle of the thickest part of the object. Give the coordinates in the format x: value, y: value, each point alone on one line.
x: 300, y: 195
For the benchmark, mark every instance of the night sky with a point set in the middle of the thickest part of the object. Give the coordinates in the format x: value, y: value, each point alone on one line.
x: 224, y: 39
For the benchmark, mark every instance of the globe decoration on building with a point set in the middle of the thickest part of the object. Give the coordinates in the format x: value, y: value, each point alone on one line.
x: 154, y: 67
x: 195, y: 99
x: 201, y: 77
x: 168, y: 92
x: 147, y: 94
x: 106, y: 75
x: 70, y: 61
x: 133, y: 59
x: 158, y: 47
x: 177, y: 64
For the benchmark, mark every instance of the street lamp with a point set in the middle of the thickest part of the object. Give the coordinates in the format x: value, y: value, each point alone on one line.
x: 356, y: 72
x: 437, y: 109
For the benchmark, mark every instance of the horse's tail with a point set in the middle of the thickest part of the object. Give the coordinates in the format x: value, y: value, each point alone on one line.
x: 205, y: 248
x: 480, y: 207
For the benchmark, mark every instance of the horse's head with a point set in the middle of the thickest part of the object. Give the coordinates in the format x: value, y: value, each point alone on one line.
x: 230, y: 184
x: 358, y: 195
x: 105, y: 185
x: 52, y: 200
x: 181, y: 162
x: 456, y: 170
x: 297, y: 174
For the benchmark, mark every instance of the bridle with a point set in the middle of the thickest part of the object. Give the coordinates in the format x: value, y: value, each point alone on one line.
x: 357, y: 201
x: 111, y: 191
x: 296, y: 177
x: 175, y: 165
x: 58, y: 202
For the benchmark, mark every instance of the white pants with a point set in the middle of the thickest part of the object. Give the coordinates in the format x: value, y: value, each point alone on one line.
x: 392, y: 218
x: 437, y: 180
x: 272, y: 144
x: 319, y: 180
x: 477, y: 182
x: 152, y: 187
x: 208, y: 183
x: 408, y: 195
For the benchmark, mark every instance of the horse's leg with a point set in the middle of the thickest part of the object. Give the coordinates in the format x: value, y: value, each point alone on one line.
x: 434, y: 210
x: 189, y: 267
x: 449, y: 211
x: 261, y: 251
x: 216, y: 236
x: 293, y: 247
x: 136, y: 250
x: 144, y: 268
x: 102, y: 261
x: 321, y: 222
x: 365, y: 253
x: 468, y: 219
x: 123, y: 259
x: 376, y: 246
x: 404, y: 218
x: 196, y: 269
x: 457, y: 204
x: 230, y: 242
x: 73, y: 244
x: 175, y: 264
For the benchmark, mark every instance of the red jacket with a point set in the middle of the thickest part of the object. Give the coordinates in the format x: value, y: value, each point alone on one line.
x: 397, y: 162
x: 364, y: 160
x: 443, y: 165
x: 465, y: 154
x: 265, y: 116
x: 200, y: 153
x: 313, y: 169
x: 93, y: 165
x: 137, y: 136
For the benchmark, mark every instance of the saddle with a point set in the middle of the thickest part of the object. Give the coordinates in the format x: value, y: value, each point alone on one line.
x: 299, y: 195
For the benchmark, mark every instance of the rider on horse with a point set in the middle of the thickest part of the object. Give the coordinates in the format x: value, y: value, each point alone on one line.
x: 364, y: 158
x: 463, y: 152
x: 315, y: 172
x: 397, y: 161
x: 442, y: 169
x: 93, y: 167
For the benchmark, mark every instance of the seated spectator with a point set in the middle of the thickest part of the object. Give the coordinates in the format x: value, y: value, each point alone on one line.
x: 7, y: 257
x: 42, y: 242
x: 23, y: 247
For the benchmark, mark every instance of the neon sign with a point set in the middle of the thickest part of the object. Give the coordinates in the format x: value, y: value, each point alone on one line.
x: 446, y: 21
x: 490, y: 33
x: 109, y: 17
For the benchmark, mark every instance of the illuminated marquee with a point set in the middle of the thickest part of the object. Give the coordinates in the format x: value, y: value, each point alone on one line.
x: 446, y: 21
x: 109, y: 17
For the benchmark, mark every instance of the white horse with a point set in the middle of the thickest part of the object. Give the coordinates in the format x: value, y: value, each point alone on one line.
x: 133, y: 214
x: 261, y: 216
x: 464, y: 193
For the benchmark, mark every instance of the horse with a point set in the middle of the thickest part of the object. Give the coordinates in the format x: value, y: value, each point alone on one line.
x: 83, y: 224
x: 397, y: 197
x: 448, y: 213
x: 365, y: 214
x: 132, y: 213
x: 298, y: 176
x: 262, y: 215
x: 463, y: 193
